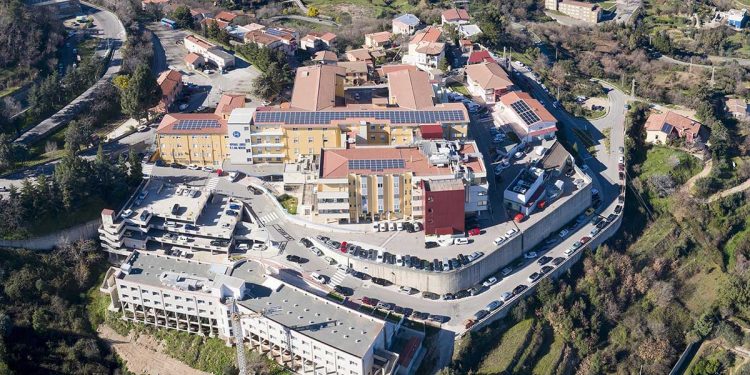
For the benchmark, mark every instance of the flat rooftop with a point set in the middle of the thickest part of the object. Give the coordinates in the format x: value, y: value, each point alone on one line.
x: 322, y: 320
x: 147, y: 269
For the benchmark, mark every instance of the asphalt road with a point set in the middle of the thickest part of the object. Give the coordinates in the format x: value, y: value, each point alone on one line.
x: 112, y: 30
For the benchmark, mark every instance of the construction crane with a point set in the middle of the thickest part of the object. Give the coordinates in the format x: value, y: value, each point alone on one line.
x: 238, y: 339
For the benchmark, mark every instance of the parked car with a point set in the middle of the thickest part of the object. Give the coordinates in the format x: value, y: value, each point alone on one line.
x: 564, y: 233
x: 530, y: 255
x: 232, y: 176
x: 468, y: 323
x: 499, y: 240
x: 385, y: 306
x: 511, y: 232
x: 461, y: 241
x: 430, y: 245
x: 557, y: 261
x: 406, y: 290
x: 318, y: 277
x: 306, y: 242
x: 519, y: 289
x: 618, y: 209
x: 546, y: 269
x: 544, y: 260
x: 489, y: 282
x: 534, y: 277
x: 448, y: 296
x: 344, y: 291
x: 430, y: 295
x: 126, y: 214
x: 493, y: 305
x: 506, y: 271
x: 370, y: 301
x: 474, y: 232
x: 381, y: 282
x: 295, y: 259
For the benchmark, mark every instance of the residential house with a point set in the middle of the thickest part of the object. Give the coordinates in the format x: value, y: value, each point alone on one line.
x: 476, y: 57
x: 525, y: 115
x: 170, y: 82
x: 325, y: 57
x: 199, y: 14
x: 405, y: 24
x: 455, y: 16
x: 424, y: 50
x: 225, y: 16
x: 206, y: 22
x: 383, y: 71
x: 357, y: 72
x: 194, y: 61
x: 361, y: 54
x: 738, y: 108
x: 737, y: 18
x: 469, y: 30
x: 664, y: 127
x: 378, y: 40
x: 315, y: 41
x: 487, y: 81
x: 466, y: 46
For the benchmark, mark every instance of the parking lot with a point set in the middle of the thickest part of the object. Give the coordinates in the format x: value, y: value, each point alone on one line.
x: 206, y: 89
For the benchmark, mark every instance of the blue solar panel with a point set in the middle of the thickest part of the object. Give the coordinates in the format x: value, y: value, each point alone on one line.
x: 376, y: 164
x: 196, y: 124
x: 325, y: 118
x: 525, y: 112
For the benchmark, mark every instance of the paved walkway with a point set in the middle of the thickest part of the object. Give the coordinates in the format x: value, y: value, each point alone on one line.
x: 688, y: 186
x: 725, y: 193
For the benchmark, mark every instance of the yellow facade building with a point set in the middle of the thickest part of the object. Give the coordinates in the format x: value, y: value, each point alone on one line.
x: 192, y: 138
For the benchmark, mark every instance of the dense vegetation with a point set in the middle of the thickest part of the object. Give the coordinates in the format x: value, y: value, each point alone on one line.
x: 43, y: 325
x: 78, y: 188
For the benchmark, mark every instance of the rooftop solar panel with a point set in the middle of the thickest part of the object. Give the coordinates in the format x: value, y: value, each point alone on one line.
x: 376, y: 164
x: 524, y: 111
x: 324, y: 118
x: 196, y: 124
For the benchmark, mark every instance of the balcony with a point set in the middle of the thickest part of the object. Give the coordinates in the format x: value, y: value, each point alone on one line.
x: 333, y: 205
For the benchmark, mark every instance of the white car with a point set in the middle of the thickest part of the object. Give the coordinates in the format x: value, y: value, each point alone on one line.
x: 499, y: 240
x: 392, y: 226
x: 445, y: 242
x: 406, y: 290
x: 259, y: 247
x: 489, y: 282
x: 569, y: 251
x: 318, y: 277
x: 193, y: 167
x: 383, y: 227
x: 243, y: 246
x: 461, y: 241
x: 621, y: 159
x: 511, y: 232
x: 564, y: 233
x: 380, y: 258
x: 126, y: 213
x: 400, y: 226
x: 208, y: 169
x: 142, y: 128
x: 530, y: 255
x: 506, y: 271
x: 506, y: 296
x: 232, y: 176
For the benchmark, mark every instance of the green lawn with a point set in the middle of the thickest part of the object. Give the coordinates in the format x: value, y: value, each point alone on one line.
x: 459, y: 88
x: 665, y: 160
x: 546, y: 365
x: 289, y: 203
x: 700, y: 290
x: 511, y: 343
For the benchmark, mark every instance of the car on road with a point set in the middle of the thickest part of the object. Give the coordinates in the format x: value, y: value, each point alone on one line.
x: 544, y: 260
x: 506, y: 271
x: 622, y: 175
x: 344, y: 291
x: 126, y: 214
x: 546, y: 269
x: 232, y: 176
x: 474, y: 232
x: 381, y: 282
x: 499, y: 240
x: 419, y: 315
x: 462, y: 294
x: 430, y: 295
x: 385, y: 306
x: 534, y: 277
x: 596, y: 220
x: 519, y: 289
x: 438, y: 318
x: 618, y: 209
x: 584, y: 240
x: 370, y: 301
x: 295, y: 259
x: 142, y: 128
x: 305, y: 242
x: 448, y: 296
x: 461, y: 241
x: 430, y: 245
x: 480, y: 314
x: 511, y: 232
x: 530, y: 255
x: 318, y: 277
x: 493, y: 305
x: 406, y: 290
x: 589, y: 211
x: 231, y: 213
x: 602, y: 224
x: 621, y: 160
x: 259, y: 247
x: 611, y: 218
x: 557, y: 261
x: 594, y: 232
x: 564, y: 233
x: 468, y: 323
x: 489, y: 282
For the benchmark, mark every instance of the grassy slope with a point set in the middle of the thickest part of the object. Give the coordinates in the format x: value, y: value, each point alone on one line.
x: 502, y: 355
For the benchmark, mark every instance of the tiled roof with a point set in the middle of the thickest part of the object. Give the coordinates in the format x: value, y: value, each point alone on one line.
x: 380, y: 37
x: 488, y: 75
x: 168, y: 81
x: 456, y: 15
x: 198, y: 41
x: 325, y: 56
x: 225, y: 16
x: 428, y: 34
x: 191, y: 58
x: 171, y: 124
x: 361, y: 54
x: 430, y: 48
x: 665, y: 121
x: 534, y: 104
x: 480, y: 56
x: 358, y: 67
x: 228, y: 102
x: 315, y: 87
x: 411, y: 89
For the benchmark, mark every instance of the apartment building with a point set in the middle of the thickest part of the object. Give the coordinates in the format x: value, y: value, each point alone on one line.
x: 365, y: 184
x: 209, y: 52
x: 526, y: 116
x: 178, y: 219
x: 315, y: 41
x: 303, y: 332
x: 488, y: 81
x: 276, y: 38
x: 318, y: 117
x: 424, y: 49
x: 588, y: 12
x: 192, y: 138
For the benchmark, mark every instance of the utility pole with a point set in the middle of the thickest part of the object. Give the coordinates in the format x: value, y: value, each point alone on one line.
x: 690, y: 69
x: 632, y: 89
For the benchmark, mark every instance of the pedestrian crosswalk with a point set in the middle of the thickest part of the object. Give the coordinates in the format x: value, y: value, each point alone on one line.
x: 211, y: 184
x: 269, y: 217
x: 338, y: 277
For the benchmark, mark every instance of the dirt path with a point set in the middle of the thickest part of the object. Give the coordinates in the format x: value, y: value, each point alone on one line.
x: 144, y: 356
x: 688, y: 186
x: 724, y: 193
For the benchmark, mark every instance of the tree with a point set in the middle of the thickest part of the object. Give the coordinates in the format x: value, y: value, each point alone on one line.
x: 141, y: 93
x: 76, y: 135
x: 182, y: 16
x: 313, y: 11
x: 121, y: 81
x: 135, y: 172
x: 443, y: 65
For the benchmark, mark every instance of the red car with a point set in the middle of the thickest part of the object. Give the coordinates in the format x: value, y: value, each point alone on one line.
x: 583, y: 240
x: 370, y: 301
x: 474, y: 232
x: 343, y: 246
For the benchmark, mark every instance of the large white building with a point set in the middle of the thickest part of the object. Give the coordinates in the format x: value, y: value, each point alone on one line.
x: 526, y: 116
x: 216, y: 55
x: 305, y: 333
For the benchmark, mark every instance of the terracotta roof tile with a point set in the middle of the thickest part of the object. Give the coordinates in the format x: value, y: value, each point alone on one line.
x: 170, y: 120
x: 453, y: 15
x: 489, y: 75
x: 410, y: 89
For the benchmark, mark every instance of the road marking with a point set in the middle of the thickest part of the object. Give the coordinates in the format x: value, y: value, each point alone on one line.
x: 338, y: 277
x: 267, y: 218
x: 212, y: 183
x: 388, y: 239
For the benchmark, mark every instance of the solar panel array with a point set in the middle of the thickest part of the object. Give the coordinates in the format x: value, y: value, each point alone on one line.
x: 325, y: 118
x: 376, y: 164
x: 525, y: 112
x: 196, y: 124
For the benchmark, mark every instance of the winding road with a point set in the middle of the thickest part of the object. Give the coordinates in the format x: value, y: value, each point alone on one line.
x: 113, y: 31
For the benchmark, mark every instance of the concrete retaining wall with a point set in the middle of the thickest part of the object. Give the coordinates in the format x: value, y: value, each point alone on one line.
x: 604, y: 235
x: 552, y: 220
x: 63, y: 237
